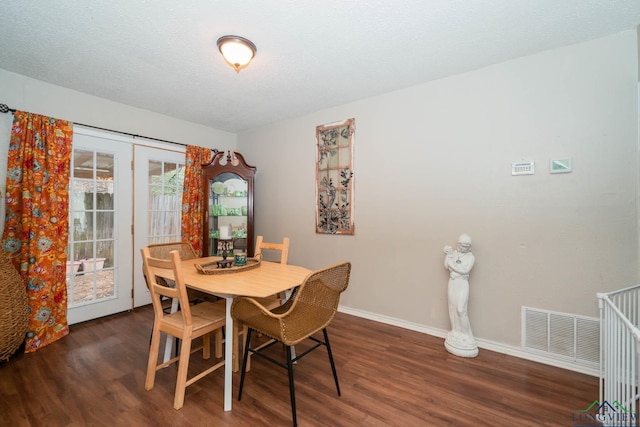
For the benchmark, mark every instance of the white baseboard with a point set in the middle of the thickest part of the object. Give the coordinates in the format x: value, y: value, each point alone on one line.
x: 485, y: 344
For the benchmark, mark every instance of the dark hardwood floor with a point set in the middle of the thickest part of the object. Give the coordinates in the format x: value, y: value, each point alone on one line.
x: 389, y: 377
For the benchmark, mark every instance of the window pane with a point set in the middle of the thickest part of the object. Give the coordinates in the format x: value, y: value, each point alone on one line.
x: 83, y: 250
x: 104, y: 195
x: 79, y: 226
x: 104, y: 225
x: 155, y: 170
x: 104, y: 166
x: 82, y: 194
x: 83, y: 164
x: 104, y: 250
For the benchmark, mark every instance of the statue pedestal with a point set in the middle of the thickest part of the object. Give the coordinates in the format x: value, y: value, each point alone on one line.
x: 461, y: 345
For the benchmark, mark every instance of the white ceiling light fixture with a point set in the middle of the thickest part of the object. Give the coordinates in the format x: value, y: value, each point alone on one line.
x: 237, y: 51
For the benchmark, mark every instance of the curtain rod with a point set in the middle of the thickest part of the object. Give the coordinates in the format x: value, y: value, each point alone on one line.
x: 5, y: 109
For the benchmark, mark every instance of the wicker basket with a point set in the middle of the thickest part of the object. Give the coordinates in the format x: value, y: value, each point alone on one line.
x: 14, y: 317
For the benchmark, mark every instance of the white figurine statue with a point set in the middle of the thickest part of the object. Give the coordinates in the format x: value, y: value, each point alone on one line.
x: 459, y: 262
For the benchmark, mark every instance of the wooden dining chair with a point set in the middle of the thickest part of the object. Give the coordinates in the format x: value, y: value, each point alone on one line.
x: 283, y: 248
x: 187, y: 324
x: 271, y: 251
x: 186, y: 251
x: 309, y: 310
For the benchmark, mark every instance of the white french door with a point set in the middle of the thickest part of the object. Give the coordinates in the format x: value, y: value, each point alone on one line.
x: 158, y: 177
x: 100, y: 216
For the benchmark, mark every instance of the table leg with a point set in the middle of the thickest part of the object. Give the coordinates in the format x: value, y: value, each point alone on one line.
x: 228, y: 357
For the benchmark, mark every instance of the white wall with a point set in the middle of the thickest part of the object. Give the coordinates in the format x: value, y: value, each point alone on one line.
x: 434, y: 161
x: 23, y: 93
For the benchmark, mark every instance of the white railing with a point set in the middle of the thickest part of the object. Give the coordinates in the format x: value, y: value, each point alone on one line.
x: 619, y: 351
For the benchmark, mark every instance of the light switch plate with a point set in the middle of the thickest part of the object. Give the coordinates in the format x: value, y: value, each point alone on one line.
x: 560, y: 165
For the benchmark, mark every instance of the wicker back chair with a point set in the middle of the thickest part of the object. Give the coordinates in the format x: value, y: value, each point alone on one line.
x: 162, y: 250
x: 310, y: 309
x: 186, y: 251
x: 14, y: 306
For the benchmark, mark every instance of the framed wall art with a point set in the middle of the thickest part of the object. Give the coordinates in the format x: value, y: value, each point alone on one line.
x: 335, y: 178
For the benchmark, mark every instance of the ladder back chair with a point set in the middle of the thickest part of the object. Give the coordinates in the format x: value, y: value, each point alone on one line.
x: 272, y: 301
x: 283, y: 248
x: 309, y: 310
x: 186, y: 251
x: 187, y: 324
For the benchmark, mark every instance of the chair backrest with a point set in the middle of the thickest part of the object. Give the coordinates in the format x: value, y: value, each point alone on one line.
x: 163, y: 251
x: 314, y: 303
x: 157, y: 269
x: 283, y: 248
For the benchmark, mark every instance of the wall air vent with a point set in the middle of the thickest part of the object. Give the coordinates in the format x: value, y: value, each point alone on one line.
x: 561, y: 335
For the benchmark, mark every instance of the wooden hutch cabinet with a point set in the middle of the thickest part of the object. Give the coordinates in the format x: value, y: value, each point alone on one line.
x: 228, y: 205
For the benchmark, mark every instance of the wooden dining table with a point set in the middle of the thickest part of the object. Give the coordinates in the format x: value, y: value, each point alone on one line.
x: 269, y: 278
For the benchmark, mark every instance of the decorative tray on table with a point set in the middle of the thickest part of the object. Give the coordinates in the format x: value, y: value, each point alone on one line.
x: 218, y: 267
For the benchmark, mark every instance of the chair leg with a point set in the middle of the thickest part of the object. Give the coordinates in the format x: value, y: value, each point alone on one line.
x: 292, y: 392
x: 244, y: 362
x: 244, y: 333
x: 154, y: 348
x: 333, y: 366
x: 218, y: 343
x: 183, y: 368
x: 206, y: 346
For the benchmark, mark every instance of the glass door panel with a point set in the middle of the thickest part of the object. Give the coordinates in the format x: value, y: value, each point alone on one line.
x: 158, y: 177
x: 165, y: 200
x: 97, y: 282
x: 227, y: 214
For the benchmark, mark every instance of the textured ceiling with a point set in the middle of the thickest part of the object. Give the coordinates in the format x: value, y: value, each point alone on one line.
x: 161, y: 55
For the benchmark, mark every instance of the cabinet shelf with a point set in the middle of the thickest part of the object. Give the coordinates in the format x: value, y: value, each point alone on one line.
x: 234, y: 238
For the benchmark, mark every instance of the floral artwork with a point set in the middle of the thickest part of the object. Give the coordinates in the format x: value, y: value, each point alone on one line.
x: 335, y: 178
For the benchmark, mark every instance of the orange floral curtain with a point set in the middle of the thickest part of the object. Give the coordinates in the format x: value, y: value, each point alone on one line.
x: 37, y: 220
x: 192, y: 196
